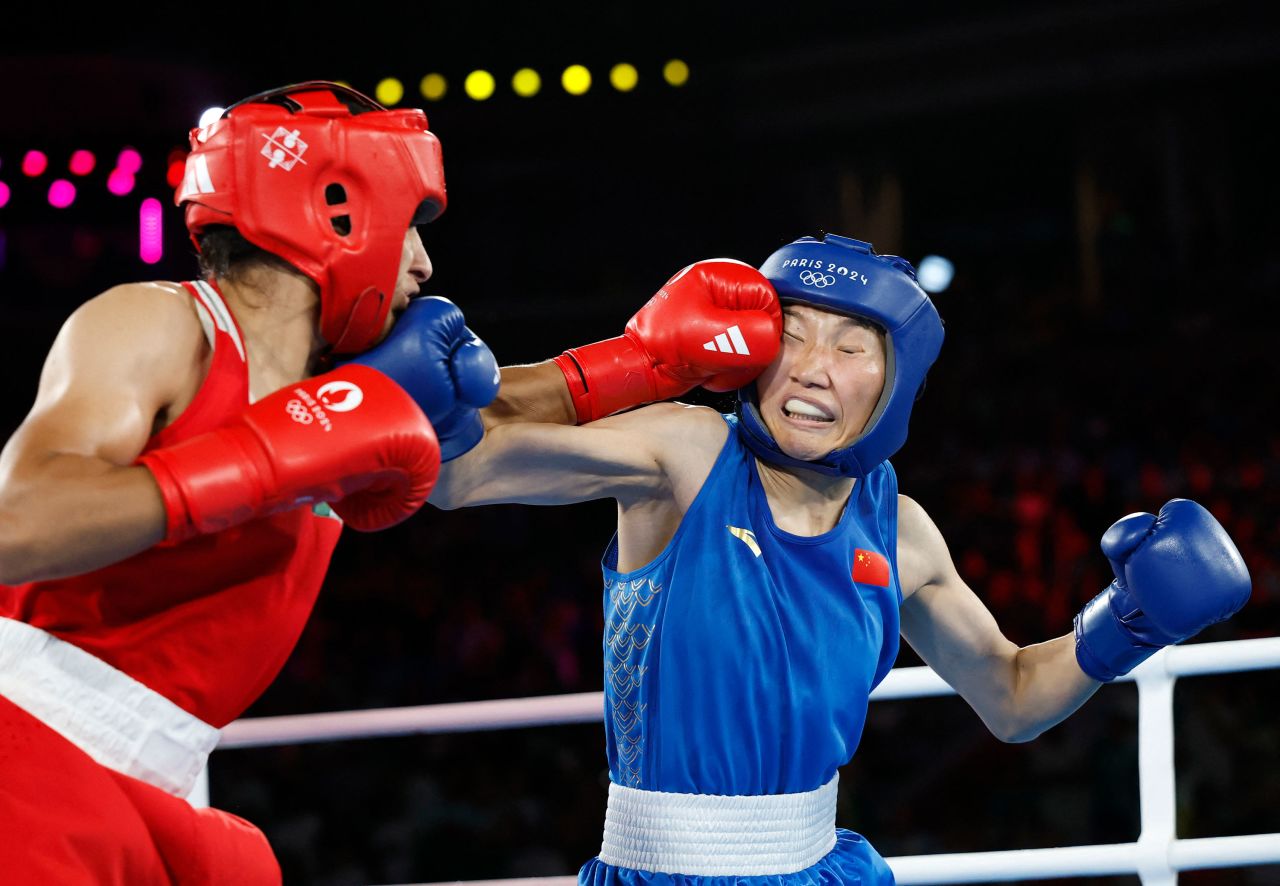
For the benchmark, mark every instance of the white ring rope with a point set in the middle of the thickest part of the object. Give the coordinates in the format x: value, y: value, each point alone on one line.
x: 588, y: 707
x: 1156, y: 857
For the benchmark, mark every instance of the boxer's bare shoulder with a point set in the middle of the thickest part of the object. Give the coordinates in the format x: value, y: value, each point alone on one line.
x: 122, y: 363
x: 138, y: 328
x: 689, y: 438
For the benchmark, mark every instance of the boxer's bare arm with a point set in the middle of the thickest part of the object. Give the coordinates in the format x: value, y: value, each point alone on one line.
x: 1018, y: 692
x: 70, y: 498
x: 533, y: 393
x: 658, y: 452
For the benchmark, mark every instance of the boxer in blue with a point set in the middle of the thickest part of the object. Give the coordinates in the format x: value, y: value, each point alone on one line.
x: 765, y: 563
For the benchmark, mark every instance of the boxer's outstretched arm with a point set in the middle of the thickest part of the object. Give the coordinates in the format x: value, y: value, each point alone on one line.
x: 1018, y: 692
x: 532, y: 393
x: 629, y: 457
x: 666, y: 350
x: 70, y: 498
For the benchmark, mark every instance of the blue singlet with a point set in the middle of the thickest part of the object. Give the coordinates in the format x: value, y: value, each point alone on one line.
x: 740, y: 660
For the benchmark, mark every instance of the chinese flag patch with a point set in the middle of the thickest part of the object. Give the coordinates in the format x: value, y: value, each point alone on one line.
x: 870, y: 568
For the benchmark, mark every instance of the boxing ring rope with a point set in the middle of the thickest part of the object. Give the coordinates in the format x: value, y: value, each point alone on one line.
x: 1156, y: 857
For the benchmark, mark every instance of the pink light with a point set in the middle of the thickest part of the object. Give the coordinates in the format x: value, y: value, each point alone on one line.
x: 130, y: 161
x: 120, y: 182
x: 62, y: 193
x: 82, y: 162
x: 151, y: 231
x: 34, y: 163
x: 4, y: 195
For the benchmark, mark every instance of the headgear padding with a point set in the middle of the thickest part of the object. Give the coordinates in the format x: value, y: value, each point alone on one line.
x: 846, y: 276
x: 328, y: 180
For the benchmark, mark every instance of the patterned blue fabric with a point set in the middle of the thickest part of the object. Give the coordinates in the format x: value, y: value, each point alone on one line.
x: 740, y: 660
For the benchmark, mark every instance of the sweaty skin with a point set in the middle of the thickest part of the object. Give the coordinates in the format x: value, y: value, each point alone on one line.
x: 816, y: 396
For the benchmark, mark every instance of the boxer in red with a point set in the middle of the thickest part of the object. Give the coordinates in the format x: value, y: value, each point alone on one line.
x: 169, y: 506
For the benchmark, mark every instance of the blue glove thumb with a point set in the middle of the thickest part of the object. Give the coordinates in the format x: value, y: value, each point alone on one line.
x: 1123, y: 538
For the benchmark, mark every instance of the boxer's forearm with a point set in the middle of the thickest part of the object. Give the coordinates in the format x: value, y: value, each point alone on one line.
x: 1048, y: 686
x: 533, y: 393
x: 75, y: 514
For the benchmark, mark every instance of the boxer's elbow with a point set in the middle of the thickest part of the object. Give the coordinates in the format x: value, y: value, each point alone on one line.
x: 18, y: 556
x: 1018, y: 733
x: 1005, y: 726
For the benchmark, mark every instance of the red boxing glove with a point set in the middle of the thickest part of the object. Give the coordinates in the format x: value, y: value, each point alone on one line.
x: 716, y: 323
x: 352, y: 435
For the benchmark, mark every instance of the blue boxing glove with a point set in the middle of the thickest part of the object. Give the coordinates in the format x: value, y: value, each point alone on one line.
x: 444, y: 367
x: 1176, y: 574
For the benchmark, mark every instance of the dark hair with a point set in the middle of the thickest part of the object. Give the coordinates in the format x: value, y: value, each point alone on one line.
x: 226, y: 254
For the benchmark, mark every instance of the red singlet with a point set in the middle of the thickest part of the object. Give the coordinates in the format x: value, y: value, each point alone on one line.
x: 207, y: 623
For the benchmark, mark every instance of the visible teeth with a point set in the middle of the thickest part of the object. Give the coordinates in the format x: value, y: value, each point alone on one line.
x: 799, y: 407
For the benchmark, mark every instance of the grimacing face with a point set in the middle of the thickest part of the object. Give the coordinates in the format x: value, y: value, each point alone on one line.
x: 818, y: 393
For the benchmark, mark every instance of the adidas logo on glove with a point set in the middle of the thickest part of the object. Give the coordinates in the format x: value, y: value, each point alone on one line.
x: 722, y: 342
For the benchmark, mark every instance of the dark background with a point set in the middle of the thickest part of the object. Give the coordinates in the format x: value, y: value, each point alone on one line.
x: 1102, y: 175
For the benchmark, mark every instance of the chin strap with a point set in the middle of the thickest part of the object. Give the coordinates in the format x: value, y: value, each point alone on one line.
x: 755, y: 435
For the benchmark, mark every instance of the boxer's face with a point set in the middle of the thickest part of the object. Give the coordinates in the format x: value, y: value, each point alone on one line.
x: 819, y: 392
x: 415, y: 269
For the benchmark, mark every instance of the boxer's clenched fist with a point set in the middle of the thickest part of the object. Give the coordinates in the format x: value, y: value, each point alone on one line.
x: 1176, y: 574
x: 352, y: 434
x: 716, y: 323
x: 444, y: 366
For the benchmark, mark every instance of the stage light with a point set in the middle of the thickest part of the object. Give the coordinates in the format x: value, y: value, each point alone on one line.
x: 526, y: 82
x: 151, y: 231
x: 433, y: 87
x: 120, y: 182
x: 389, y: 91
x: 675, y: 72
x: 4, y: 195
x: 129, y: 161
x: 479, y: 85
x: 211, y: 115
x: 935, y: 273
x: 624, y: 77
x: 82, y: 162
x: 62, y: 193
x: 576, y: 79
x: 34, y: 163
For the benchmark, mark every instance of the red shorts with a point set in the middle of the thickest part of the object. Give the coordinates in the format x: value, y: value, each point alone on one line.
x: 66, y: 819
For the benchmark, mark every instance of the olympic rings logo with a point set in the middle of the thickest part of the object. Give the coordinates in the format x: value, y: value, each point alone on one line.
x: 299, y: 412
x: 817, y: 281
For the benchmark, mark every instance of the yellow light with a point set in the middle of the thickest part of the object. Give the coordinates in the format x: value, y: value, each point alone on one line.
x: 433, y: 87
x: 343, y: 83
x: 675, y: 72
x: 479, y: 85
x: 389, y: 91
x: 624, y: 77
x: 576, y: 79
x: 526, y: 82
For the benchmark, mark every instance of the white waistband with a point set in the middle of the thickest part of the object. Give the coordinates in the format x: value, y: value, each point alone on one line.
x: 717, y: 836
x: 106, y: 713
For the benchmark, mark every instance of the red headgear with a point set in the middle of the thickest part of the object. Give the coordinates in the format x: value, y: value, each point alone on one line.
x: 327, y: 179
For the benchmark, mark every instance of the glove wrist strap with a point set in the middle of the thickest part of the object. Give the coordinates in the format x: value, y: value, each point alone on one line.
x: 607, y: 377
x: 1104, y: 649
x: 202, y: 481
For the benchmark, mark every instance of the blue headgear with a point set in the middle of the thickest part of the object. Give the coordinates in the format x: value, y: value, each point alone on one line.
x: 846, y: 276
